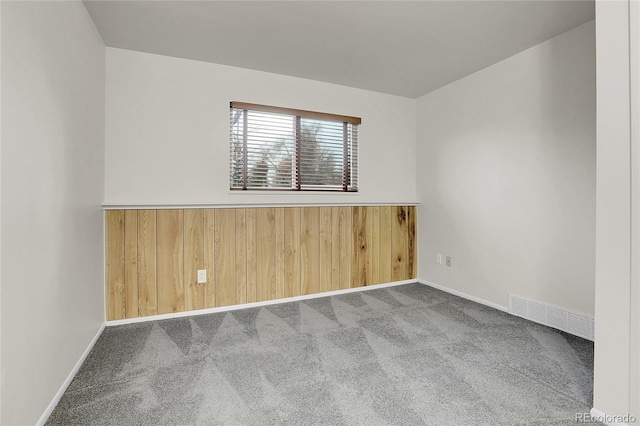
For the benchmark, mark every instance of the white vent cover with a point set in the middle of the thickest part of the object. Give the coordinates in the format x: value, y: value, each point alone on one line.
x: 552, y: 316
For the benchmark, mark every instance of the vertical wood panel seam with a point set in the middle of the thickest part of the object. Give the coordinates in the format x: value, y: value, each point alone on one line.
x: 124, y: 257
x: 300, y: 236
x: 157, y: 271
x: 246, y: 255
x: 181, y: 275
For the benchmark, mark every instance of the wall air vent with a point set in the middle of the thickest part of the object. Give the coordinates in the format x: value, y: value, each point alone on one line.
x: 552, y: 316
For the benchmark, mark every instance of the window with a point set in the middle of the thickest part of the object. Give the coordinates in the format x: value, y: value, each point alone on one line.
x: 288, y: 149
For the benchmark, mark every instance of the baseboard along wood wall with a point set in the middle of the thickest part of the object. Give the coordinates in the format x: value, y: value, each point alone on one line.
x: 250, y: 254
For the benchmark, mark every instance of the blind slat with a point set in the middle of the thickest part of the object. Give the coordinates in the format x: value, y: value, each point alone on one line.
x: 264, y: 150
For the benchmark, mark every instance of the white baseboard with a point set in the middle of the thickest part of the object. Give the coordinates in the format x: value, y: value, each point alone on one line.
x: 67, y: 382
x: 611, y: 420
x: 465, y: 296
x: 254, y: 304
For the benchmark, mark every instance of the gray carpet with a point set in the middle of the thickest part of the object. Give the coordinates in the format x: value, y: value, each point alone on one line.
x: 404, y: 355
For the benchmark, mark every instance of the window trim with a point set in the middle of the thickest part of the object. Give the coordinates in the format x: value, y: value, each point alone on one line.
x: 299, y: 114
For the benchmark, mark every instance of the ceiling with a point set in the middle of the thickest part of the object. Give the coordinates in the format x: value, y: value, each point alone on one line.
x: 406, y: 48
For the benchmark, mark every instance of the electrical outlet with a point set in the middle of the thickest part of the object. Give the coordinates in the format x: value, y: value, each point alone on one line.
x: 448, y: 260
x: 439, y: 259
x: 202, y: 276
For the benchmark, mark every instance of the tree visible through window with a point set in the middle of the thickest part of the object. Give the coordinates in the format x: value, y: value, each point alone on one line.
x: 279, y: 148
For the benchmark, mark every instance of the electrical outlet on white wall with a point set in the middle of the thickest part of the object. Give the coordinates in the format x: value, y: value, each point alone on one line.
x: 202, y: 276
x: 448, y: 261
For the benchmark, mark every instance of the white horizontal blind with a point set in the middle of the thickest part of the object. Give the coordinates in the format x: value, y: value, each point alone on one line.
x: 275, y: 150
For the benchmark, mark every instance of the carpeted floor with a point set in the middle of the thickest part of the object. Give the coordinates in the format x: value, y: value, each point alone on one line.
x: 404, y: 355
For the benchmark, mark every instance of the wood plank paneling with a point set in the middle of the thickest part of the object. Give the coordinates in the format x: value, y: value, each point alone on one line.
x: 412, y: 264
x: 241, y: 256
x: 131, y: 263
x: 292, y: 237
x: 335, y: 248
x: 280, y: 272
x: 398, y: 242
x: 356, y: 234
x: 310, y: 250
x: 147, y: 290
x: 266, y: 253
x: 194, y: 297
x: 114, y: 250
x: 373, y: 243
x: 362, y: 272
x: 385, y: 261
x: 224, y: 247
x: 346, y: 247
x: 209, y: 257
x: 325, y: 249
x: 170, y: 261
x: 250, y: 254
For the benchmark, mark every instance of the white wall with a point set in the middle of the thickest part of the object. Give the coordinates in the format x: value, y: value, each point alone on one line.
x: 634, y: 53
x: 52, y: 175
x: 0, y: 213
x: 506, y: 177
x: 617, y: 356
x: 167, y: 137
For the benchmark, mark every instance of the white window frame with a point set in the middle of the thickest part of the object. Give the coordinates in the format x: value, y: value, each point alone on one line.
x: 240, y: 150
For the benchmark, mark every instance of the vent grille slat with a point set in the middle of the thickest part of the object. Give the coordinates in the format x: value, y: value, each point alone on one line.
x: 580, y: 325
x: 538, y: 312
x: 519, y: 307
x: 552, y: 316
x: 557, y: 318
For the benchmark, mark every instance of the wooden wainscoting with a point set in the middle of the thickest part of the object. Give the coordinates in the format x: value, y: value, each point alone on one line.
x: 250, y: 254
